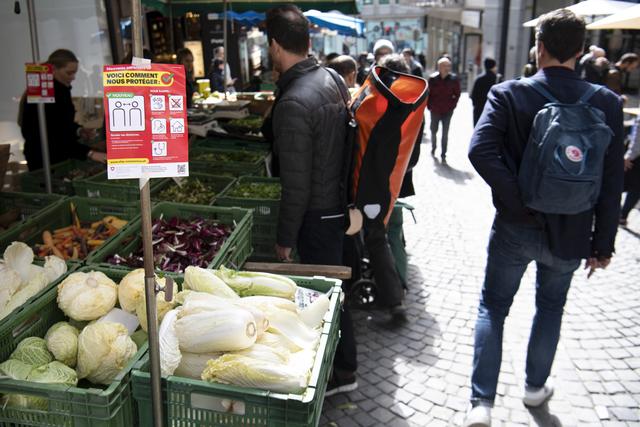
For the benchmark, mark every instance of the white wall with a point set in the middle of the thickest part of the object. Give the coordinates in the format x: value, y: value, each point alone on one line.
x: 78, y: 25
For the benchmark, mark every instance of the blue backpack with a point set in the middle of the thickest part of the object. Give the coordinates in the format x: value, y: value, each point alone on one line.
x: 562, y: 166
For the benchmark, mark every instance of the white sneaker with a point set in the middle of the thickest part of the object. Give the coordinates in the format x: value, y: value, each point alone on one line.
x: 478, y: 416
x: 536, y: 397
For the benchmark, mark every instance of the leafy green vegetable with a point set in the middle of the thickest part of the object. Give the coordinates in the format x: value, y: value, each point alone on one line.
x: 256, y: 190
x: 192, y: 191
x: 230, y: 156
x: 15, y: 369
x: 32, y: 351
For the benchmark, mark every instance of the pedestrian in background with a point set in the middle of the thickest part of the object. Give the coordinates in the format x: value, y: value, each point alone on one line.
x: 444, y: 93
x: 631, y: 175
x: 185, y: 57
x: 482, y: 85
x: 64, y: 135
x: 364, y: 66
x: 347, y: 67
x: 382, y: 48
x: 615, y: 77
x: 414, y: 66
x: 591, y: 67
x: 530, y: 67
x: 556, y: 242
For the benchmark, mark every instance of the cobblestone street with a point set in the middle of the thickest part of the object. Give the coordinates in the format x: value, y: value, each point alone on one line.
x: 418, y: 374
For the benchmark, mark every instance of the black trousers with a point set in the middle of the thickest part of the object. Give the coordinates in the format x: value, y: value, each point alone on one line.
x: 388, y: 283
x: 320, y: 241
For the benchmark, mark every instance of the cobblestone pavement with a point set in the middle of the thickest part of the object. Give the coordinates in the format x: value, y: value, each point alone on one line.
x: 418, y: 375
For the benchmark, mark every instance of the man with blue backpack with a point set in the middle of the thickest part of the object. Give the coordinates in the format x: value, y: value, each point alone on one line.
x: 551, y: 149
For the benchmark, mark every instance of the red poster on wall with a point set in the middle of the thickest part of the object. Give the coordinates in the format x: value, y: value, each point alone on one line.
x: 146, y: 121
x: 39, y: 83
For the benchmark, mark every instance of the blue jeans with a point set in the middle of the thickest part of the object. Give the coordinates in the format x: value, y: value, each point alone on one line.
x: 511, y: 248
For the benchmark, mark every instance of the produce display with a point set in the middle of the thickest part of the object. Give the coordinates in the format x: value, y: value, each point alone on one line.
x: 262, y: 340
x: 229, y: 156
x: 256, y: 190
x: 178, y: 243
x: 74, y: 350
x: 252, y: 124
x: 192, y: 191
x: 84, y: 172
x: 75, y: 241
x: 20, y: 279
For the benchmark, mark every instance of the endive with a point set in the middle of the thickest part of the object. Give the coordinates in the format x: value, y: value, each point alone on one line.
x: 248, y: 372
x: 246, y: 283
x: 206, y: 331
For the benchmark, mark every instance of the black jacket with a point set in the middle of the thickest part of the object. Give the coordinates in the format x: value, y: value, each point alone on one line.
x: 481, y: 88
x: 62, y: 130
x: 309, y: 125
x: 498, y: 144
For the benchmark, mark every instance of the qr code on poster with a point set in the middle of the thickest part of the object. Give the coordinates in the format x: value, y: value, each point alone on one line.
x: 182, y: 169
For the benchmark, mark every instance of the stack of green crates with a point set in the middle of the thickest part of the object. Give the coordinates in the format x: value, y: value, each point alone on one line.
x: 195, y: 403
x: 34, y: 182
x: 265, y: 217
x: 99, y: 187
x: 89, y: 210
x: 84, y: 405
x: 245, y: 162
x: 217, y: 183
x: 233, y: 253
x: 23, y: 206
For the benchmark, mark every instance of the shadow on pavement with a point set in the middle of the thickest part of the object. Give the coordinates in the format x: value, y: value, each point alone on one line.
x: 446, y: 171
x: 542, y: 416
x: 632, y: 232
x: 390, y: 355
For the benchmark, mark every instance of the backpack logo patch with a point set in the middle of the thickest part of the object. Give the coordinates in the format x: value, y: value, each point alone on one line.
x: 574, y: 153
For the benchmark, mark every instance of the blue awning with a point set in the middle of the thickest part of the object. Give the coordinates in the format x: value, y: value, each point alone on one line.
x: 343, y: 24
x: 246, y: 18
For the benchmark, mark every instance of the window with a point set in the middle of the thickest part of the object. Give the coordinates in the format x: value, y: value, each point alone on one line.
x: 383, y: 1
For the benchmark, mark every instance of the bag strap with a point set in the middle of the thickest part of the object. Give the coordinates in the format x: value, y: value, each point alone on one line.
x: 589, y: 93
x: 342, y: 88
x: 538, y: 87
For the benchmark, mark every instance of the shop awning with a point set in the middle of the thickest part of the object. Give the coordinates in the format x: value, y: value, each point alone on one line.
x: 628, y: 19
x: 246, y: 18
x: 343, y: 24
x: 592, y: 8
x: 179, y: 7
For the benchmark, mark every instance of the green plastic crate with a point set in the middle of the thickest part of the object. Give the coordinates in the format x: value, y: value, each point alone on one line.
x: 250, y: 167
x: 233, y: 253
x: 26, y: 205
x: 193, y: 403
x: 218, y: 183
x: 265, y: 218
x: 111, y: 406
x: 232, y: 144
x: 89, y: 210
x: 99, y: 187
x: 33, y: 182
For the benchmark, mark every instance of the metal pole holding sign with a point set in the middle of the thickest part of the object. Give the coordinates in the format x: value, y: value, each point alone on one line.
x: 42, y: 119
x: 150, y: 287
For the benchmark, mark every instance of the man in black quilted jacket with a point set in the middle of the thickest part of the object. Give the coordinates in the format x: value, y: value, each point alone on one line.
x: 309, y: 130
x: 309, y: 135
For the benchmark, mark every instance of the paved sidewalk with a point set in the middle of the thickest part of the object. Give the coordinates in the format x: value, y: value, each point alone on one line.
x: 418, y: 375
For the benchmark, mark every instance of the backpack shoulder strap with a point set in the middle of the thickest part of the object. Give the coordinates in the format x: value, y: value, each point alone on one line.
x: 589, y: 93
x: 342, y: 88
x: 539, y: 87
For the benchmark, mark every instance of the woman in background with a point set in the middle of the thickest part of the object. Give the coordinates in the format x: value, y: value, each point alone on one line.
x: 63, y: 133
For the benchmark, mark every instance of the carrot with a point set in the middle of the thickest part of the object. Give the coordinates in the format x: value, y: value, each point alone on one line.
x: 75, y: 253
x: 95, y: 242
x: 47, y: 238
x: 63, y: 230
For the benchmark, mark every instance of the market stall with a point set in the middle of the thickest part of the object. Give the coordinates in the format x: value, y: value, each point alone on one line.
x: 117, y: 312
